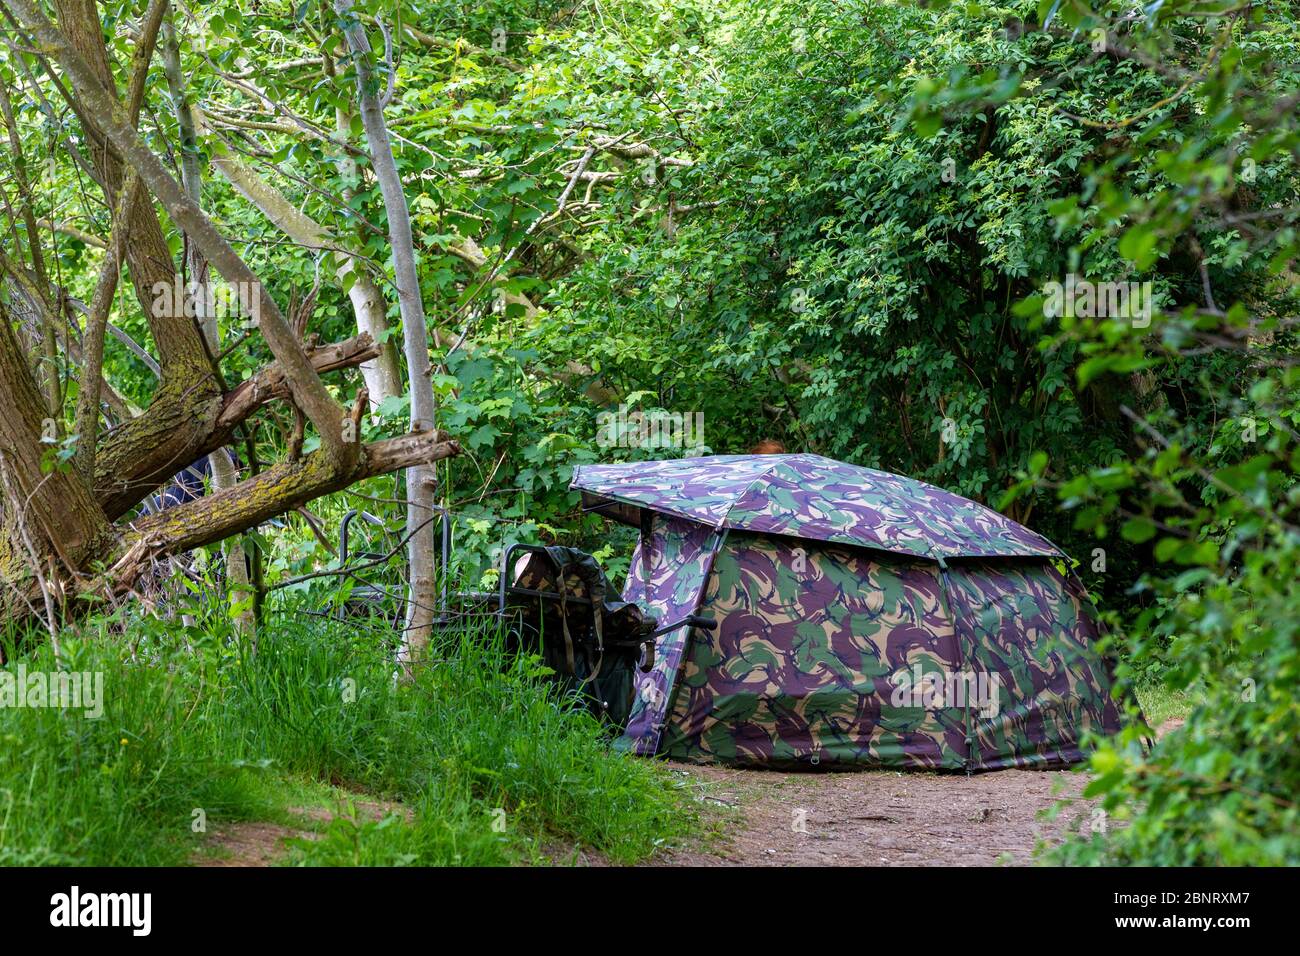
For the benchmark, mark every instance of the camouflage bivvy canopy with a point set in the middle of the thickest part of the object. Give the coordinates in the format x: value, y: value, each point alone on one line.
x: 863, y: 619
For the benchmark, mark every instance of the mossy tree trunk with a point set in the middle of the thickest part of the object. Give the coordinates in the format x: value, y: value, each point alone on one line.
x: 66, y: 534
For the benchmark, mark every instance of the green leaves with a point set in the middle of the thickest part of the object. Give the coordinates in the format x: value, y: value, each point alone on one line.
x: 1138, y: 245
x: 1114, y: 363
x: 1138, y: 530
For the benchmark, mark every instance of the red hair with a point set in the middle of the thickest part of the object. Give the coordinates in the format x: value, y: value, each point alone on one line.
x: 768, y: 447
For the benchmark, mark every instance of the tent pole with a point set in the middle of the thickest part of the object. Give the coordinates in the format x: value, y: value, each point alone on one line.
x: 647, y: 540
x: 719, y: 539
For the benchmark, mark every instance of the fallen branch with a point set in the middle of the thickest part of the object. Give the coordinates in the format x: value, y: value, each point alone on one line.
x: 281, y: 488
x: 119, y: 480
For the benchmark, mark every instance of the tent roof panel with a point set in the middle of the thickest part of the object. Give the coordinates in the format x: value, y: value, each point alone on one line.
x: 808, y: 496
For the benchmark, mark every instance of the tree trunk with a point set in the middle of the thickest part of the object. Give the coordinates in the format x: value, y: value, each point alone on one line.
x: 382, y: 374
x: 150, y: 263
x: 49, y: 364
x: 56, y: 531
x: 52, y: 524
x: 309, y: 393
x: 221, y: 466
x: 420, y: 480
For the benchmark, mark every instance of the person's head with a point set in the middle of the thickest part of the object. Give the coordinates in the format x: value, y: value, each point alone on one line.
x: 768, y: 447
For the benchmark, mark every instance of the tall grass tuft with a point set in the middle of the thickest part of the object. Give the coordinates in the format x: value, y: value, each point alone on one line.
x: 483, y: 760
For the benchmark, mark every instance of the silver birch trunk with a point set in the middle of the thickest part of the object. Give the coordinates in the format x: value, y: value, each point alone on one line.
x: 420, y: 479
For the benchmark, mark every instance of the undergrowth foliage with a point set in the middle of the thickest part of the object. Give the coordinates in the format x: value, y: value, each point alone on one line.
x: 1194, y: 185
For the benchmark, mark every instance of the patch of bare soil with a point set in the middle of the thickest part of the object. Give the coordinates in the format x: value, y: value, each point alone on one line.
x: 878, y: 818
x: 771, y: 818
x: 556, y: 853
x: 247, y: 844
x: 1169, y: 726
x: 263, y: 844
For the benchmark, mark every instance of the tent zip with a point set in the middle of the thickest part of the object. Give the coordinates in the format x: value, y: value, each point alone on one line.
x: 944, y: 587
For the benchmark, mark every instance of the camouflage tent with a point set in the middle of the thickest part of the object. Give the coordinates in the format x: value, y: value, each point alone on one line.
x: 862, y: 619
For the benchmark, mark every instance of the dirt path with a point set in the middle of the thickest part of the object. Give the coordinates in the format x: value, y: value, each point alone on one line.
x: 247, y: 844
x: 769, y: 818
x: 877, y: 818
x: 251, y: 843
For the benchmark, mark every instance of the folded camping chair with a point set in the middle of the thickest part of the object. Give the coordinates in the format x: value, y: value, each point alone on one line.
x: 377, y: 587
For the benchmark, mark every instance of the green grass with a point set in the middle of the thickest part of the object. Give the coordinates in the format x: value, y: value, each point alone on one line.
x: 490, y: 767
x: 1159, y: 703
